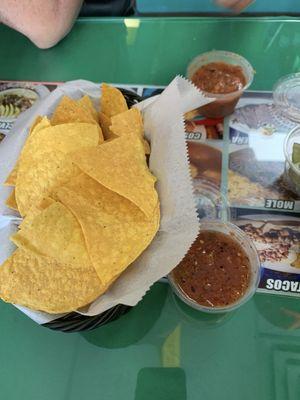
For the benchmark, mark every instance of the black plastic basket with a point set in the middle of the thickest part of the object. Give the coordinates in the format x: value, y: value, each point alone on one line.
x: 74, y: 322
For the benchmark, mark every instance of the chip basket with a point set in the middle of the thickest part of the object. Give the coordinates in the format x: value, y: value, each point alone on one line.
x: 74, y: 322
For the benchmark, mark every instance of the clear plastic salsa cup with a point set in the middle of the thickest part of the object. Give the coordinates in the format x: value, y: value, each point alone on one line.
x: 237, y: 234
x: 292, y: 169
x: 286, y: 96
x: 224, y: 104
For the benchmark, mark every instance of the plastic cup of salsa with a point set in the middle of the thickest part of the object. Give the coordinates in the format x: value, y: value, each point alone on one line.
x: 241, y: 239
x: 224, y: 103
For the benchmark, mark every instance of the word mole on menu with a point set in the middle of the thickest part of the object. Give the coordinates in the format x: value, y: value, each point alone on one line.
x: 280, y: 204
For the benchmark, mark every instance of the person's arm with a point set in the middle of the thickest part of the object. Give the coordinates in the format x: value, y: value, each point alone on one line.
x: 235, y: 5
x: 44, y: 22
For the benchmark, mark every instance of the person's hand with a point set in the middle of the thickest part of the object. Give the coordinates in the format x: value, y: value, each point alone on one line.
x: 235, y: 5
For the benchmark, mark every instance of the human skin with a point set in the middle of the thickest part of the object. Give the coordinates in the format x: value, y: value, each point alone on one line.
x: 44, y: 22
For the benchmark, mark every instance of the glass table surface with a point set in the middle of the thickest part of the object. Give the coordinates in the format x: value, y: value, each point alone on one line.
x: 160, y: 349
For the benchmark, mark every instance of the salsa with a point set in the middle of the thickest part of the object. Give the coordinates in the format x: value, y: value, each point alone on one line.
x: 219, y: 78
x: 215, y: 272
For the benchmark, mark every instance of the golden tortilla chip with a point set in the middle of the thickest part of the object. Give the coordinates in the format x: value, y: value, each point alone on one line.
x: 41, y: 283
x: 12, y: 177
x: 44, y: 123
x: 35, y: 183
x: 98, y: 196
x: 11, y: 201
x: 71, y: 111
x: 127, y: 174
x: 115, y: 230
x: 112, y: 101
x: 39, y: 124
x: 105, y: 123
x: 35, y: 123
x: 87, y: 103
x: 45, y: 162
x: 54, y: 232
x: 129, y: 122
x: 35, y: 209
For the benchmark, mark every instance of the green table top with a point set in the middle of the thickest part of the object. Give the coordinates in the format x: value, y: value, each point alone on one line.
x: 161, y: 349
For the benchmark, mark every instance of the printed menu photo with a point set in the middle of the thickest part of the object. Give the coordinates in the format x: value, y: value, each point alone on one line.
x: 17, y: 97
x: 204, y: 129
x: 205, y: 146
x: 277, y: 238
x: 257, y: 172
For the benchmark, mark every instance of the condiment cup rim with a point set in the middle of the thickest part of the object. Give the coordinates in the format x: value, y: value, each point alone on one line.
x: 240, y: 235
x: 245, y: 65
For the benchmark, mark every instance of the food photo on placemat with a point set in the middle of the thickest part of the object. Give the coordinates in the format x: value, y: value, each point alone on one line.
x: 250, y: 181
x: 205, y: 161
x: 15, y: 98
x: 204, y: 128
x: 276, y: 238
x: 254, y: 175
x: 257, y: 160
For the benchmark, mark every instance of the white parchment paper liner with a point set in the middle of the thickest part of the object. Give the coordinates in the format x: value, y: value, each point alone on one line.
x: 164, y: 128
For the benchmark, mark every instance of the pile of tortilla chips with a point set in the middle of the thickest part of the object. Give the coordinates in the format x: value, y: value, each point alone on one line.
x: 88, y: 202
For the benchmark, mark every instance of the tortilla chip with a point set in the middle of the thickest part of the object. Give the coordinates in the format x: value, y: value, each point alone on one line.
x: 41, y: 283
x: 38, y: 124
x: 98, y: 196
x: 87, y: 103
x: 45, y: 161
x: 112, y: 101
x: 105, y: 123
x: 129, y: 122
x: 71, y: 111
x: 34, y: 210
x: 54, y: 232
x: 131, y: 177
x: 115, y: 230
x: 11, y: 201
x: 44, y: 123
x: 35, y: 123
x: 12, y: 177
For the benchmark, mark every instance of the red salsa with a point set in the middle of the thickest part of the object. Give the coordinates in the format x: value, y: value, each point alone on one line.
x: 219, y: 78
x: 216, y: 270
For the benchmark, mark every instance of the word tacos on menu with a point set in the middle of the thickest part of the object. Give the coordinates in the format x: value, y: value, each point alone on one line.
x: 88, y: 202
